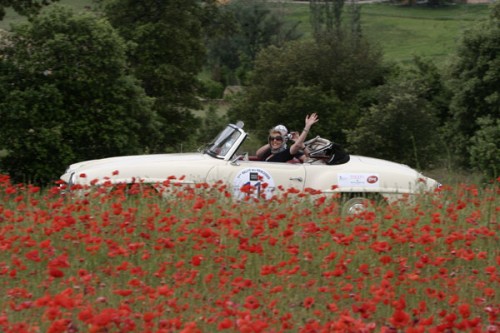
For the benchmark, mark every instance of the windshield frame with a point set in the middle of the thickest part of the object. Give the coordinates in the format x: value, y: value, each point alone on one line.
x: 226, y: 143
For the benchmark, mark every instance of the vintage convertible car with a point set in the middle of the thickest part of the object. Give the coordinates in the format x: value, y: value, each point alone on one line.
x: 328, y: 170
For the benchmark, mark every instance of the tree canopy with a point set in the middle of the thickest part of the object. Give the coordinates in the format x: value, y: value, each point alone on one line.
x: 474, y: 77
x: 250, y: 26
x: 166, y: 51
x: 65, y: 96
x: 24, y: 7
x: 327, y: 75
x: 400, y: 126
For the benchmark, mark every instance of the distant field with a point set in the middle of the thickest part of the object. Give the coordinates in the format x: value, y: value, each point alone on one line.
x: 401, y: 31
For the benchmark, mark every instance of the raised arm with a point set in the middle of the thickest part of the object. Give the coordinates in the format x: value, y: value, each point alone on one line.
x: 299, y: 143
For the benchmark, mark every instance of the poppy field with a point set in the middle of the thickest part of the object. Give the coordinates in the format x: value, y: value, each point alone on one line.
x: 193, y: 260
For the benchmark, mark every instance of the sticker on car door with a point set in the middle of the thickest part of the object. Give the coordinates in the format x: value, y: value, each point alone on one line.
x: 253, y: 182
x: 358, y: 180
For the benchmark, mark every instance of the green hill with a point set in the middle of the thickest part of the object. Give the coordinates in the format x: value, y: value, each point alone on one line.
x: 404, y: 31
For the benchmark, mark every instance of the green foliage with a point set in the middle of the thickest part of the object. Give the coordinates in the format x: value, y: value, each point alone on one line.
x: 474, y: 78
x: 401, y: 120
x: 166, y: 52
x: 211, y: 125
x: 250, y: 27
x: 326, y: 16
x: 485, y: 147
x: 326, y: 76
x: 65, y: 96
x: 24, y: 7
x: 210, y: 89
x: 402, y: 126
x: 425, y: 74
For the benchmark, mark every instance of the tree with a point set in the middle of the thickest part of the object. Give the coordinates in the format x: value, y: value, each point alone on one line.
x: 166, y: 52
x: 327, y: 75
x: 250, y: 27
x: 401, y: 126
x: 65, y: 96
x: 474, y: 79
x: 24, y: 7
x: 426, y: 75
x: 326, y: 17
x: 485, y: 147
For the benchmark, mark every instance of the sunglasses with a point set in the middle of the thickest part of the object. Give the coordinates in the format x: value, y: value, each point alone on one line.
x: 277, y: 138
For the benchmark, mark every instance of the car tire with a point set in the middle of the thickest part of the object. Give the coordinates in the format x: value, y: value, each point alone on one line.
x: 355, y: 205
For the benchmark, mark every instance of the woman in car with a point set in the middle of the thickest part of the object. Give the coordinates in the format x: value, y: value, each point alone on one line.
x: 277, y: 150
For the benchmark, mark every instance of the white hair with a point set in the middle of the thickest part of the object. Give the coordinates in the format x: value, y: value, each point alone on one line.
x: 282, y: 129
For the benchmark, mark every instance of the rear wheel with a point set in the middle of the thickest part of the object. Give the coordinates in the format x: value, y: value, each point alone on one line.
x: 356, y: 203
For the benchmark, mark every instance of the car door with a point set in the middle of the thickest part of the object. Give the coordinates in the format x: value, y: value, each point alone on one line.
x: 259, y: 178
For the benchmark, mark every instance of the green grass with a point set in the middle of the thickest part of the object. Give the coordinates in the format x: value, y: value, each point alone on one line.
x: 403, y: 32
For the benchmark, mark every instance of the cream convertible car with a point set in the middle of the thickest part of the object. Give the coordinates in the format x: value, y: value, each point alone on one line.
x: 327, y: 170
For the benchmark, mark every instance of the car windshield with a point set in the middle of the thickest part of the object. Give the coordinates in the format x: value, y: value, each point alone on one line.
x: 223, y: 142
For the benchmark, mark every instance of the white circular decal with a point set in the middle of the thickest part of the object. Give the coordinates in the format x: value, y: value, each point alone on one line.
x: 253, y: 182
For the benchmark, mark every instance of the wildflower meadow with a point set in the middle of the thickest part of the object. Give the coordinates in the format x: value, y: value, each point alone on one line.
x: 126, y: 259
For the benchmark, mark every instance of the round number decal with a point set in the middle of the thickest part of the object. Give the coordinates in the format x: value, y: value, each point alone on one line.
x: 253, y: 182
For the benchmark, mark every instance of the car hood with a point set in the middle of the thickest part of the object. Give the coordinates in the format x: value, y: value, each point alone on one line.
x: 378, y: 163
x: 151, y: 167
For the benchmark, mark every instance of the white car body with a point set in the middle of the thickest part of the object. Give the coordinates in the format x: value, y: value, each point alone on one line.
x: 220, y: 161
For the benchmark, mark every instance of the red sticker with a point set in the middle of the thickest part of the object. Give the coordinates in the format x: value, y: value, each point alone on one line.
x: 372, y: 179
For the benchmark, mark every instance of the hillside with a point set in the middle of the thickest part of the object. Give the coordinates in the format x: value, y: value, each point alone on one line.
x: 402, y: 31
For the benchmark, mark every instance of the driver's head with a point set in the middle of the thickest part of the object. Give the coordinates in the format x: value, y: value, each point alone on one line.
x: 276, y: 138
x: 282, y: 129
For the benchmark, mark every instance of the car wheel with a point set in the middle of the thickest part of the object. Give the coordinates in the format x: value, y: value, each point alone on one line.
x: 355, y: 205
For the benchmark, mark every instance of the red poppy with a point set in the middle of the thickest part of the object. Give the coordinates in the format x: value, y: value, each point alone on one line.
x: 196, y: 260
x: 55, y: 272
x: 251, y: 303
x: 464, y: 310
x: 308, y: 302
x: 399, y: 319
x: 33, y: 255
x: 123, y: 292
x: 225, y: 324
x: 381, y: 246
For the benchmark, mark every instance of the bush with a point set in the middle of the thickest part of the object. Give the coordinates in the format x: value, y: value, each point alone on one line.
x: 485, y: 147
x: 402, y: 127
x: 211, y: 89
